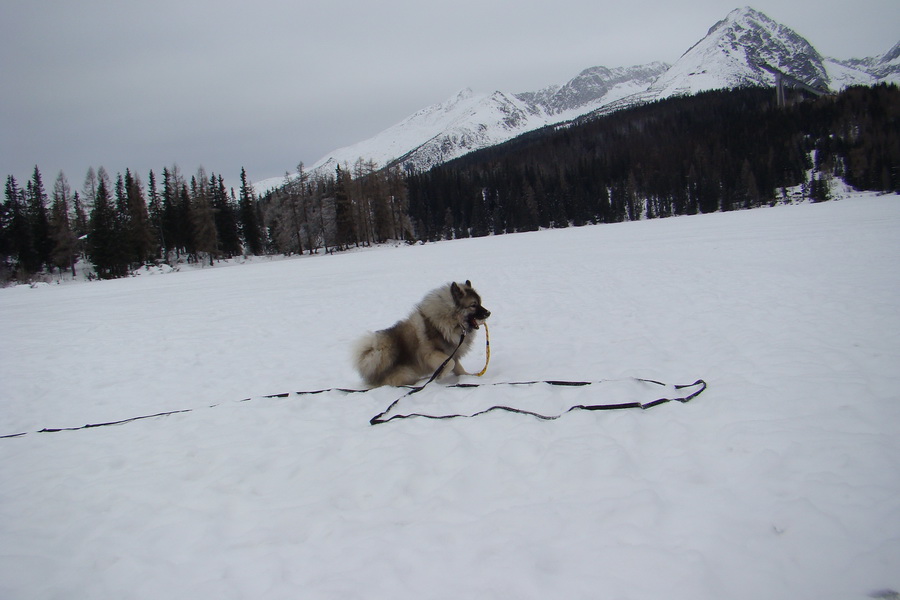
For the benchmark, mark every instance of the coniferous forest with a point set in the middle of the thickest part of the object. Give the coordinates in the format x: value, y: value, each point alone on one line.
x: 716, y: 151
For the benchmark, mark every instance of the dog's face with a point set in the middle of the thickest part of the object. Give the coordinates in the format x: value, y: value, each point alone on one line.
x: 468, y: 302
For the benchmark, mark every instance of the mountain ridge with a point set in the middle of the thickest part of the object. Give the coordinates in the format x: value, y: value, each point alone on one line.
x: 728, y: 56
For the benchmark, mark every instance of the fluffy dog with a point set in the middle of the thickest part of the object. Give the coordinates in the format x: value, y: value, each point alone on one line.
x: 416, y: 346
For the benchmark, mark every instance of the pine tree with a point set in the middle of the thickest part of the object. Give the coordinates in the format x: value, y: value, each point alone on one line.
x: 203, y: 222
x: 20, y: 234
x: 479, y: 223
x: 748, y: 192
x: 250, y: 225
x: 65, y: 243
x: 104, y: 241
x: 39, y: 218
x: 633, y: 202
x: 176, y: 233
x: 819, y: 187
x: 80, y: 223
x: 138, y: 232
x: 169, y: 215
x: 226, y: 218
x: 184, y: 234
x: 304, y: 191
x: 6, y: 260
x: 344, y: 222
x: 155, y: 212
x: 322, y: 229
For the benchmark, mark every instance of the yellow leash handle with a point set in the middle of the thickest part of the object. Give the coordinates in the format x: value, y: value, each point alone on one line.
x: 487, y: 350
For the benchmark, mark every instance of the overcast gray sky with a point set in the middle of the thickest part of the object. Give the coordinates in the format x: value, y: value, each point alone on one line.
x: 269, y: 83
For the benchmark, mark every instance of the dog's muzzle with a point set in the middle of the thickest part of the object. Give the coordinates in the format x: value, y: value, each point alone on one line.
x: 478, y: 317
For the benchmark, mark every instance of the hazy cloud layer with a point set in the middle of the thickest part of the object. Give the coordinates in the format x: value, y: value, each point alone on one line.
x: 143, y: 85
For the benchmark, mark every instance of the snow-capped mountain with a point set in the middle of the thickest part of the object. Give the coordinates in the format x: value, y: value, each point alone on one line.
x: 885, y: 67
x: 734, y: 49
x: 598, y: 86
x: 465, y: 122
x: 730, y: 55
x: 469, y: 121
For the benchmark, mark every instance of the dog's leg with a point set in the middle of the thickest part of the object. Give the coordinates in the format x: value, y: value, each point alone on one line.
x: 458, y: 369
x: 401, y: 376
x: 436, y: 359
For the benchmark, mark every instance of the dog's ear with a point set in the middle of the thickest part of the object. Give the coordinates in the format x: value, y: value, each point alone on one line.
x: 455, y: 291
x: 468, y: 283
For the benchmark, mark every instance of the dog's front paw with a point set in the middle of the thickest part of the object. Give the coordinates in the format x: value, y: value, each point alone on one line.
x: 458, y: 369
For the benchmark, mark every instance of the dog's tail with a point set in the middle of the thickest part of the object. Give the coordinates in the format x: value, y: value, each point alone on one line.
x: 369, y: 356
x: 376, y: 356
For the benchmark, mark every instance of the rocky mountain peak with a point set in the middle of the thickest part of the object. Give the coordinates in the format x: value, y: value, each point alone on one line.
x: 731, y: 52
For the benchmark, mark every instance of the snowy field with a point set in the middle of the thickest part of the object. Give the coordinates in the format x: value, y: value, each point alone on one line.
x: 781, y: 480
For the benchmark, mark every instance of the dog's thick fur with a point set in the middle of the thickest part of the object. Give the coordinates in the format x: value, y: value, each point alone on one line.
x: 416, y: 346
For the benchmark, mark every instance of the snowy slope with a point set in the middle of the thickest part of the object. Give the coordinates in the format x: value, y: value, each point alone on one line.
x: 842, y: 75
x: 443, y: 131
x: 782, y: 480
x: 468, y: 121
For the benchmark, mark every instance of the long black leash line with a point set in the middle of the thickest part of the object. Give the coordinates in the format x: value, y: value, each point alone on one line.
x: 281, y: 395
x: 379, y: 418
x: 92, y: 425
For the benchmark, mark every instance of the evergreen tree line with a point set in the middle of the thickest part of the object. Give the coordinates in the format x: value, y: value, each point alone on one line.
x: 716, y: 151
x: 119, y: 226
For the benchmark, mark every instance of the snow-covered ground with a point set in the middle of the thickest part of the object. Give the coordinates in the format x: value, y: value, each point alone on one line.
x: 781, y: 480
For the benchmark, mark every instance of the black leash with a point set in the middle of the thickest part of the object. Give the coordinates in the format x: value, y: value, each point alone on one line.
x: 379, y: 418
x: 434, y: 375
x: 412, y: 391
x: 92, y: 425
x: 375, y: 420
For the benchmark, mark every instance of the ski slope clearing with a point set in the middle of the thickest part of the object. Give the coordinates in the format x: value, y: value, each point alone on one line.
x: 781, y: 480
